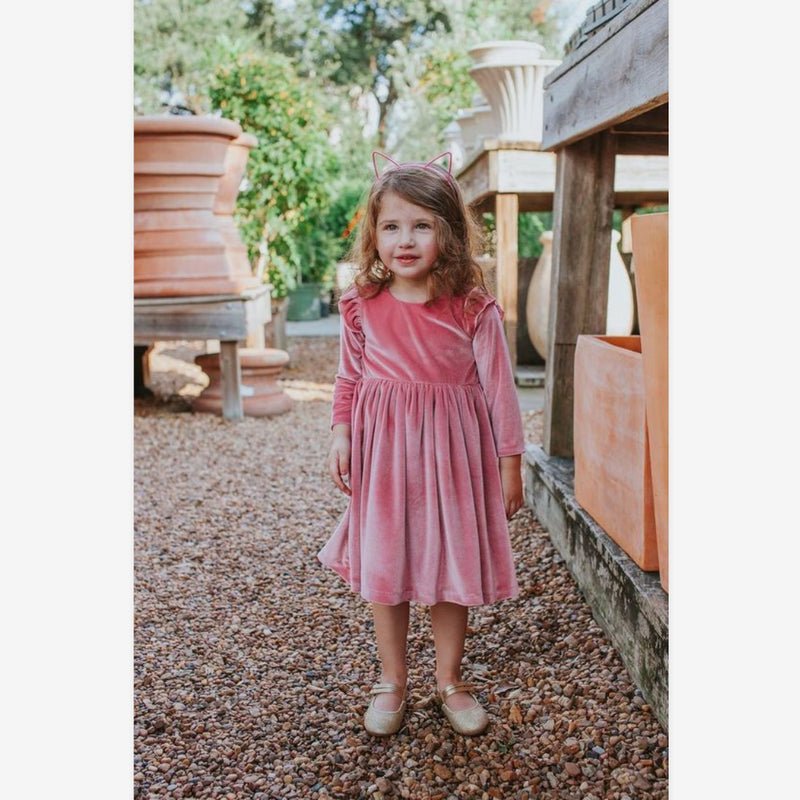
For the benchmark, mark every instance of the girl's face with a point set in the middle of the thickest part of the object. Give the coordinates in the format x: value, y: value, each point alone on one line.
x: 406, y: 238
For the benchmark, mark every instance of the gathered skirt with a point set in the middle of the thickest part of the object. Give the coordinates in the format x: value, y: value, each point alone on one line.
x: 426, y: 519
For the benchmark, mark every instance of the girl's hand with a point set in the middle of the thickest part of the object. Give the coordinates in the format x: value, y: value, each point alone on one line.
x: 511, y: 480
x: 339, y: 457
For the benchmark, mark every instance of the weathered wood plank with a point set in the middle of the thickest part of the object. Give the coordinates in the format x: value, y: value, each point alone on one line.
x: 643, y: 144
x: 201, y: 299
x: 622, y: 77
x: 525, y: 170
x: 599, y: 39
x: 476, y: 179
x: 223, y: 321
x: 230, y: 371
x: 507, y: 211
x: 656, y: 120
x: 531, y: 175
x: 582, y: 210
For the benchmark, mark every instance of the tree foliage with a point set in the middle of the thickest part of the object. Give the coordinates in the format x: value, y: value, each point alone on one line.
x: 290, y: 172
x: 175, y: 50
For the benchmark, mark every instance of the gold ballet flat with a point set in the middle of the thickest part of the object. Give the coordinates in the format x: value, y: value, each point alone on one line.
x: 384, y: 723
x: 470, y: 721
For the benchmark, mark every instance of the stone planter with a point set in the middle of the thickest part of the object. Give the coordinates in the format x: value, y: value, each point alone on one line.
x: 613, y: 481
x: 262, y: 396
x: 650, y: 234
x: 620, y: 308
x: 511, y: 77
x: 475, y: 124
x: 179, y: 249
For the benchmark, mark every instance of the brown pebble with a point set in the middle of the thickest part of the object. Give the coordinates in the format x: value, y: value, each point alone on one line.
x: 442, y: 771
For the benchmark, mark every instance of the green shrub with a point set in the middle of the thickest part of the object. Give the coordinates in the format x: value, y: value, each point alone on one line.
x: 289, y: 172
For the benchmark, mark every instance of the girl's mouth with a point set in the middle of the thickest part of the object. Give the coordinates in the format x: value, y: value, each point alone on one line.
x: 406, y: 259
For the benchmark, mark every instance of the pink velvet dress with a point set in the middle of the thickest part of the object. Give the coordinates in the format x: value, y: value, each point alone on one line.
x: 430, y: 396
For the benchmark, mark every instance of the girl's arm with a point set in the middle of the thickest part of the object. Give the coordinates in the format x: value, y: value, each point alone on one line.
x: 511, y: 480
x: 497, y: 379
x: 351, y: 347
x: 339, y: 457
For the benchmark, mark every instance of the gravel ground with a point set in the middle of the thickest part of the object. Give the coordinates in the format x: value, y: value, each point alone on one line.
x: 253, y: 662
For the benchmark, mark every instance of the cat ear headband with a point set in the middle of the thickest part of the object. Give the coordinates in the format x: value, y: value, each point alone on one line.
x: 427, y: 165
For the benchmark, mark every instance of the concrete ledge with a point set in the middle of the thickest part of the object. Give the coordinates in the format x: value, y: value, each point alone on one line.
x: 627, y: 603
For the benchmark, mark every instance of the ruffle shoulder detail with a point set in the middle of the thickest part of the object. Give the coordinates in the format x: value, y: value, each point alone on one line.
x: 476, y: 304
x: 350, y: 309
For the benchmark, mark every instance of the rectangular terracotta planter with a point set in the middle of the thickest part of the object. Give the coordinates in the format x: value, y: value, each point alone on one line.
x: 612, y: 458
x: 650, y: 234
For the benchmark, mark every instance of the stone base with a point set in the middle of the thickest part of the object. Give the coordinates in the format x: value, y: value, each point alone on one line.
x: 261, y: 394
x: 629, y: 604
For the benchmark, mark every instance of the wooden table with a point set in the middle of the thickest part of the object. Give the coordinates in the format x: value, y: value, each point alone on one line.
x: 230, y: 318
x: 608, y: 97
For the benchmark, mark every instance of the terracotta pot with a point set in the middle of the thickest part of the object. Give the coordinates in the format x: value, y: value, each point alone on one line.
x: 262, y: 396
x: 225, y: 205
x: 619, y: 310
x: 650, y: 233
x: 613, y: 480
x: 178, y: 247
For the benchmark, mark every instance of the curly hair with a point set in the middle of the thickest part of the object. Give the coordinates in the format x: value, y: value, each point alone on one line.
x: 458, y: 236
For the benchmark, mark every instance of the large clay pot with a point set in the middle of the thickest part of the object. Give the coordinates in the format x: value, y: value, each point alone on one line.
x: 179, y: 249
x: 262, y: 396
x: 225, y: 205
x: 537, y: 306
x: 620, y: 308
x: 511, y: 77
x: 613, y: 480
x: 651, y: 250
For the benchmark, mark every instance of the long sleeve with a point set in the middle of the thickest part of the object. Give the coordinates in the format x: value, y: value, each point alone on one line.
x: 496, y: 378
x: 351, y: 346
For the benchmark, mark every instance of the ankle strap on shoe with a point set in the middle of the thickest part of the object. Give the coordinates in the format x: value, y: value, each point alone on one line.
x: 454, y: 688
x: 386, y: 688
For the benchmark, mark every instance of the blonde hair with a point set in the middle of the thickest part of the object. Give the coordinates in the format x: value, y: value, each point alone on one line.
x: 458, y: 236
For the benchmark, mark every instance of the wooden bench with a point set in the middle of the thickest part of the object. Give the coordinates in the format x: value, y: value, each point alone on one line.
x: 230, y: 318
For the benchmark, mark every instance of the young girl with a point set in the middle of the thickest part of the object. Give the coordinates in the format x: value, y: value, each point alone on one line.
x: 427, y: 433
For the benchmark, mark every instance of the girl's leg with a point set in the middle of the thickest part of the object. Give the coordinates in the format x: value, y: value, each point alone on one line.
x: 449, y: 623
x: 391, y: 633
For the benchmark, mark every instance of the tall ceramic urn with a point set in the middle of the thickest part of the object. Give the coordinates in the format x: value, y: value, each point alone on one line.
x: 620, y: 308
x: 179, y: 249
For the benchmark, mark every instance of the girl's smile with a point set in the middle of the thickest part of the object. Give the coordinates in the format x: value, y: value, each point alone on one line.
x: 406, y: 239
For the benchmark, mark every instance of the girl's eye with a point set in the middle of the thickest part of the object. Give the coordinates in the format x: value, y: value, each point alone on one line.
x: 424, y: 225
x: 390, y: 227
